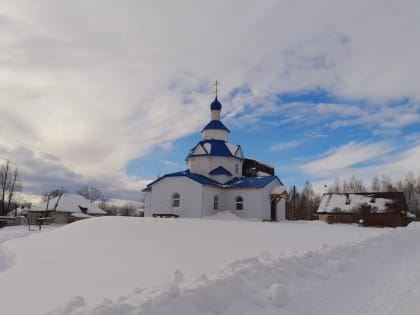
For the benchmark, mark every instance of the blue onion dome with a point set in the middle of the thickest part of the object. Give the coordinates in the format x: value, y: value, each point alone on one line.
x: 216, y: 105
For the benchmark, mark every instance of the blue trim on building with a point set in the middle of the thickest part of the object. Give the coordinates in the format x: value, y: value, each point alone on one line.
x: 198, y: 178
x: 218, y: 148
x: 215, y: 125
x: 220, y: 171
x: 252, y: 182
x: 244, y: 182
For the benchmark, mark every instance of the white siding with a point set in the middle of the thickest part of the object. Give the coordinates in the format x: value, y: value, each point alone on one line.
x: 147, y: 203
x: 281, y: 210
x: 204, y: 164
x: 190, y: 193
x: 216, y: 134
x: 251, y: 206
x: 208, y: 200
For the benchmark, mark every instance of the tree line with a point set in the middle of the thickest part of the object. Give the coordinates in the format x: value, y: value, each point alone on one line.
x: 303, y: 203
x: 11, y: 186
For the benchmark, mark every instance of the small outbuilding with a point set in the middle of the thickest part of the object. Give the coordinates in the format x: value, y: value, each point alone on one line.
x: 64, y: 209
x: 367, y: 209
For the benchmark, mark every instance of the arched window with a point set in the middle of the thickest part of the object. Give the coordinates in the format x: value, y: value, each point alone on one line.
x: 239, y: 201
x: 236, y: 168
x: 176, y: 198
x: 216, y: 203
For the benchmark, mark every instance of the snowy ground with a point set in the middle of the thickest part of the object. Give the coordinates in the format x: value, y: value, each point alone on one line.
x: 116, y: 265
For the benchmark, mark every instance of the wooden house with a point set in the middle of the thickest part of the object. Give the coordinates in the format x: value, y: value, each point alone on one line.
x: 367, y: 209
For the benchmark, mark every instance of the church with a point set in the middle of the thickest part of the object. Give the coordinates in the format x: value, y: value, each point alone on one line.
x: 218, y: 178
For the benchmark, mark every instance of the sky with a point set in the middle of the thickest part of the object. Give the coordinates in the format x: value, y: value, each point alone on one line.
x: 113, y: 93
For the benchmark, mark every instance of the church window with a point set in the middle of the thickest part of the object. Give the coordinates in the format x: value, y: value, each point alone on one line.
x: 176, y: 198
x: 236, y: 168
x: 216, y: 203
x: 239, y: 201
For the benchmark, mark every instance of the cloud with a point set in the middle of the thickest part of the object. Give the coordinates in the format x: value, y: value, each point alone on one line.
x: 345, y: 157
x: 97, y: 84
x: 284, y: 145
x: 345, y: 164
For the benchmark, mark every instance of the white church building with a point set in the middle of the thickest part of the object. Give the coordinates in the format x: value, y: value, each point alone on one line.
x: 218, y: 178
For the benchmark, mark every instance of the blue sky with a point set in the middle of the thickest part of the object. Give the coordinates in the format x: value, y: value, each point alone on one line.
x: 289, y: 145
x: 113, y: 93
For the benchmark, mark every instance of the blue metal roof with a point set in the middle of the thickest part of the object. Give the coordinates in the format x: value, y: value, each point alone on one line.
x: 252, y: 182
x: 220, y: 171
x: 217, y: 148
x: 244, y: 182
x: 216, y: 105
x: 198, y: 178
x: 215, y: 124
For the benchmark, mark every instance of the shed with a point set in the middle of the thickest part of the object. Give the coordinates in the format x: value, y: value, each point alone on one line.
x: 368, y: 209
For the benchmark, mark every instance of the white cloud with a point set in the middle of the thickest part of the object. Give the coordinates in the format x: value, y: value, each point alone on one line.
x: 396, y: 165
x: 346, y: 156
x: 96, y: 84
x: 285, y: 145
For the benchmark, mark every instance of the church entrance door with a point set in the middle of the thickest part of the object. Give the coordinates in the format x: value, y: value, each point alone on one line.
x: 273, y: 209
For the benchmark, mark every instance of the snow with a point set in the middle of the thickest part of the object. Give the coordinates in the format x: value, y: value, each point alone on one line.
x: 80, y: 215
x: 69, y: 203
x: 119, y: 265
x: 332, y: 201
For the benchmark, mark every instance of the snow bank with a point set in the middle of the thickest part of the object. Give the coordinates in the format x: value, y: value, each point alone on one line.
x: 110, y: 256
x: 224, y: 215
x: 360, y: 278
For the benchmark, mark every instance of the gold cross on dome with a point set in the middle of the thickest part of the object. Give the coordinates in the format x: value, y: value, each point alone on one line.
x: 216, y: 84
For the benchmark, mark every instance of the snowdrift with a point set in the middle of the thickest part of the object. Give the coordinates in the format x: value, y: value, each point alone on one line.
x: 88, y: 261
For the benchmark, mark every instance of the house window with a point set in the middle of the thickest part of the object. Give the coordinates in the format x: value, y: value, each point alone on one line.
x: 176, y: 200
x: 239, y: 201
x: 216, y: 203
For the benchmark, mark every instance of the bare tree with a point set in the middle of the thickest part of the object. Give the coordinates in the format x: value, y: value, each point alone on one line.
x: 376, y: 184
x: 303, y: 204
x: 336, y: 187
x: 354, y: 185
x: 387, y: 184
x: 9, y: 186
x: 91, y: 193
x: 53, y: 193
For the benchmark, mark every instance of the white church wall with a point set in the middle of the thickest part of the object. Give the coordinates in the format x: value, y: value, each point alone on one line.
x: 251, y: 204
x: 204, y: 164
x: 266, y: 203
x: 215, y: 134
x: 208, y: 200
x: 190, y: 197
x: 147, y: 203
x: 281, y: 210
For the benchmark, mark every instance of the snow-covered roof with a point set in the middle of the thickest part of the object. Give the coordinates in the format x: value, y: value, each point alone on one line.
x: 357, y: 202
x: 216, y: 148
x: 69, y: 203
